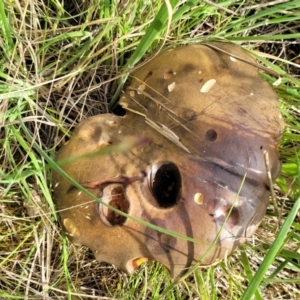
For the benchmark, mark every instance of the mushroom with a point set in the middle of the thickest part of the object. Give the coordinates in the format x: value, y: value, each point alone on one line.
x: 209, y: 120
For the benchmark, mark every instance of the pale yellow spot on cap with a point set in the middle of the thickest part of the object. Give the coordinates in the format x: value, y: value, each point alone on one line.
x: 171, y: 87
x: 134, y: 263
x: 208, y: 85
x: 132, y: 94
x: 124, y: 104
x: 141, y: 88
x: 198, y: 198
x: 71, y: 227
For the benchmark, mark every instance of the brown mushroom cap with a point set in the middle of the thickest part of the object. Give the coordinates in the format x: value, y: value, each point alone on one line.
x: 210, y: 118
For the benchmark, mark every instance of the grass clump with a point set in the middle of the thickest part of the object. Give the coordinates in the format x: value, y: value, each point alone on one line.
x: 62, y: 61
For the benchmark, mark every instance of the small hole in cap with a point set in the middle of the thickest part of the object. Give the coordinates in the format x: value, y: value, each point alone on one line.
x: 114, y: 195
x: 211, y: 135
x: 164, y: 181
x: 119, y: 111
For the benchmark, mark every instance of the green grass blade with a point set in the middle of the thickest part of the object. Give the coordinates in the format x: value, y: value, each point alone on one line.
x: 248, y: 272
x: 157, y: 25
x: 6, y: 29
x: 271, y: 255
x: 274, y: 37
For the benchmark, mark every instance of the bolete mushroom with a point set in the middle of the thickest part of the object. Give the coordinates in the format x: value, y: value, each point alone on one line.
x: 210, y: 119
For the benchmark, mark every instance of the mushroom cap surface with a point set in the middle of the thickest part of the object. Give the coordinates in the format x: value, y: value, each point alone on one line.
x: 205, y: 121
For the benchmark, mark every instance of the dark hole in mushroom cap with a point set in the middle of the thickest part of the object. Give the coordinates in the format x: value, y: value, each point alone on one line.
x: 119, y: 111
x: 164, y: 181
x: 233, y: 218
x: 211, y: 135
x: 114, y: 195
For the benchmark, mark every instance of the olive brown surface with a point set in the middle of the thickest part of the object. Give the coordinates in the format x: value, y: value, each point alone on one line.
x: 205, y: 119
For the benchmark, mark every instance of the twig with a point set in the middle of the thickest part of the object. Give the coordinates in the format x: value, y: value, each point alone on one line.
x: 267, y: 70
x: 267, y: 163
x: 269, y: 3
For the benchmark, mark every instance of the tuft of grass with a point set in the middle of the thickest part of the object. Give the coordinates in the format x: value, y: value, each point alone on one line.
x: 62, y: 61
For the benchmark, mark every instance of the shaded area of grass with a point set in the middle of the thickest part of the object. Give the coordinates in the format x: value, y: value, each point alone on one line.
x: 64, y: 61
